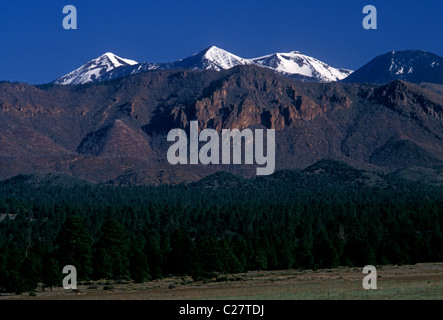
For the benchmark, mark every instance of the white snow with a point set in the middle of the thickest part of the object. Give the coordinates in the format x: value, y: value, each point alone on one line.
x: 392, y: 64
x: 94, y: 68
x: 288, y: 63
x: 117, y: 63
x: 400, y: 71
x: 296, y: 63
x: 214, y: 58
x: 221, y: 59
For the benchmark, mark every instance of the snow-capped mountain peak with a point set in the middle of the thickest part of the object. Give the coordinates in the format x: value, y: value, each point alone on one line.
x: 408, y: 65
x: 118, y: 61
x: 222, y: 59
x: 295, y: 63
x: 93, y: 69
x: 212, y: 58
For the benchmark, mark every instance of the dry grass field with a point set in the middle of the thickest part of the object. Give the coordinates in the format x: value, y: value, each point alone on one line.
x: 416, y: 282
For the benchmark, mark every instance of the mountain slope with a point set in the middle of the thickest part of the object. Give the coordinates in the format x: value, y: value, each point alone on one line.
x: 295, y: 63
x: 212, y: 58
x: 93, y: 69
x: 116, y: 131
x: 414, y: 66
x: 116, y: 140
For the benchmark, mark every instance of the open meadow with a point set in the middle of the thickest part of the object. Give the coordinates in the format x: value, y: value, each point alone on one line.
x: 408, y: 282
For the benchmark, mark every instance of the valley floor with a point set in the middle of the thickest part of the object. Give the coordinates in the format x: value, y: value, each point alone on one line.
x: 415, y: 282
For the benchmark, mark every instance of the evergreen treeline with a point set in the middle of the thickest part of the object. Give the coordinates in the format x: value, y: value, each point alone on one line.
x: 221, y: 224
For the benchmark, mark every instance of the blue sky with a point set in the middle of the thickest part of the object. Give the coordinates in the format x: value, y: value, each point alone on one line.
x: 34, y: 47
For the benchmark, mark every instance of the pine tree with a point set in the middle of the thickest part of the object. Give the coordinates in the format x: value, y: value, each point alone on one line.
x: 154, y: 256
x: 303, y: 255
x: 112, y: 251
x: 31, y: 271
x: 325, y: 255
x: 139, y: 266
x: 74, y: 247
x: 182, y: 259
x: 11, y: 279
x: 52, y: 273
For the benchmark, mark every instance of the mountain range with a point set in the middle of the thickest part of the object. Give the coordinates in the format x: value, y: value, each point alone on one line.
x: 115, y: 131
x: 293, y: 64
x: 414, y: 66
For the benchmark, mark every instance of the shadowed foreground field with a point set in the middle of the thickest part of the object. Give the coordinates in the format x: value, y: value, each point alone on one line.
x: 420, y: 281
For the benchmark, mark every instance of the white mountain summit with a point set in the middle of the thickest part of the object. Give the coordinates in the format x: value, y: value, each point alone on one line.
x: 295, y: 63
x: 212, y: 58
x: 92, y: 70
x: 292, y: 64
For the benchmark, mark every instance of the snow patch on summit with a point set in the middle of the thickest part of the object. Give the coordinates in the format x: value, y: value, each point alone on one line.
x: 295, y: 63
x: 93, y: 69
x: 222, y: 59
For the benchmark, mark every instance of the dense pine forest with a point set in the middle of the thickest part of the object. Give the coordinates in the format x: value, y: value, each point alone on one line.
x: 324, y: 216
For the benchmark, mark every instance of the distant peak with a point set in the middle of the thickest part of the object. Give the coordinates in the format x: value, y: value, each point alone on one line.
x: 108, y: 55
x: 412, y: 65
x: 408, y: 51
x: 92, y: 70
x: 116, y: 60
x: 207, y: 50
x: 214, y: 49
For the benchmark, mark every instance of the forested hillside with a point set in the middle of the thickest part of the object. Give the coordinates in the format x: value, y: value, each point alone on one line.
x: 324, y: 216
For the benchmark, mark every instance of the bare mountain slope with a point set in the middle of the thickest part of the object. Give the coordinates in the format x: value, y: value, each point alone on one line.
x: 116, y: 131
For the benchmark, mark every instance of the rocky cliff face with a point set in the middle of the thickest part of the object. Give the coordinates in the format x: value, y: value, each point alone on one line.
x: 402, y: 96
x: 250, y: 96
